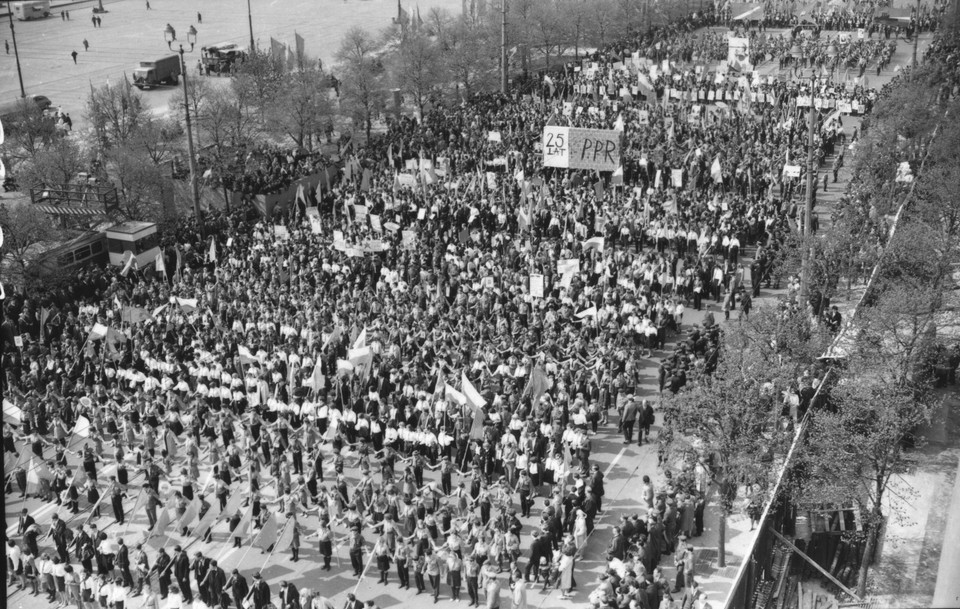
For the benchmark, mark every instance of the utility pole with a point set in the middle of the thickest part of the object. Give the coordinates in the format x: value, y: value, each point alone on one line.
x: 250, y: 23
x: 193, y: 159
x: 503, y: 46
x: 808, y: 207
x: 916, y: 34
x: 16, y: 54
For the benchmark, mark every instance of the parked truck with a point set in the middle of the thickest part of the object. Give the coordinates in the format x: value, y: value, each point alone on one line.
x: 220, y: 58
x: 35, y: 9
x: 162, y: 71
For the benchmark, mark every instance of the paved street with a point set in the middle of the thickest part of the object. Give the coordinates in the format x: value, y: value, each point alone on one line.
x: 131, y: 33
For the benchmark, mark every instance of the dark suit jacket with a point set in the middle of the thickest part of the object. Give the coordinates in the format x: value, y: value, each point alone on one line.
x: 25, y: 523
x: 618, y: 547
x: 163, y: 567
x: 261, y: 593
x: 181, y: 567
x: 238, y: 585
x: 123, y: 557
x: 289, y: 596
x: 541, y: 548
x: 216, y: 580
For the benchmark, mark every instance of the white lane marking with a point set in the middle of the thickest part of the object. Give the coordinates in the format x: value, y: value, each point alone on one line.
x: 614, y: 462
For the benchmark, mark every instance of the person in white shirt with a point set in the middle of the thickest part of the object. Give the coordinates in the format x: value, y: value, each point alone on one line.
x: 14, y: 562
x: 119, y: 593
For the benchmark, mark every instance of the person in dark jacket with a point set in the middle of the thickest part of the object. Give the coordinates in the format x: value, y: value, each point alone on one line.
x: 181, y: 571
x: 596, y: 486
x: 122, y: 562
x: 259, y: 592
x: 213, y: 585
x: 238, y: 588
x: 618, y: 545
x: 289, y: 596
x: 540, y: 548
x: 162, y: 568
x: 200, y: 566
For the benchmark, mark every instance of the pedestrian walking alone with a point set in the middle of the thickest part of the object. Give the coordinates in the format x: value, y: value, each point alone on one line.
x: 74, y: 55
x: 199, y: 18
x: 86, y: 45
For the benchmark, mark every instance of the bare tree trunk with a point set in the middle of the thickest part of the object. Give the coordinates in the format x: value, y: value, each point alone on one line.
x: 722, y: 541
x: 868, y: 552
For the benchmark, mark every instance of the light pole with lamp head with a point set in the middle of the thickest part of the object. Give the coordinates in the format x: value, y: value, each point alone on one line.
x: 503, y: 47
x: 193, y: 159
x: 192, y: 37
x: 797, y: 54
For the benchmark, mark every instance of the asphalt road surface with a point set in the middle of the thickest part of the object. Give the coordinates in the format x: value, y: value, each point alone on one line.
x: 130, y: 33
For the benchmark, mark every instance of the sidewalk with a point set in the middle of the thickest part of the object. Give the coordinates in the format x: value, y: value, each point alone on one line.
x: 919, y: 558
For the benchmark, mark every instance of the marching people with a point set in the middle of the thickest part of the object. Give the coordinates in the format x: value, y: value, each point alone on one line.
x: 278, y: 349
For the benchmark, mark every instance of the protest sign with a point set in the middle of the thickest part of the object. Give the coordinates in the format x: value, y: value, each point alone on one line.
x: 536, y: 286
x: 791, y: 171
x: 571, y: 265
x: 575, y: 148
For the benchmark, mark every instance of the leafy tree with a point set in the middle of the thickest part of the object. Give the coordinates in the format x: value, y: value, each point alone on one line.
x: 115, y: 111
x: 858, y: 445
x: 521, y: 29
x: 418, y: 68
x: 135, y: 148
x: 732, y: 415
x: 142, y: 185
x: 24, y: 226
x: 470, y: 56
x: 228, y: 118
x: 601, y: 22
x: 550, y: 32
x: 302, y: 110
x: 28, y: 131
x: 56, y: 163
x: 575, y: 16
x: 198, y: 91
x: 438, y: 19
x: 258, y: 80
x: 361, y: 92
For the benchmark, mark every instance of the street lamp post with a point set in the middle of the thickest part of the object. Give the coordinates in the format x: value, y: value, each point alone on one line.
x: 16, y: 54
x: 192, y: 37
x: 797, y: 53
x: 916, y: 34
x: 503, y: 46
x: 193, y: 159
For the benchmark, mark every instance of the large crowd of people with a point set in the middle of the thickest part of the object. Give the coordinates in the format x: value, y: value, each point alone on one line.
x: 412, y: 370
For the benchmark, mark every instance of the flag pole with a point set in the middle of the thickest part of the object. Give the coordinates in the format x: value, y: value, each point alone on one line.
x: 129, y: 522
x: 364, y: 572
x: 275, y: 544
x: 256, y: 537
